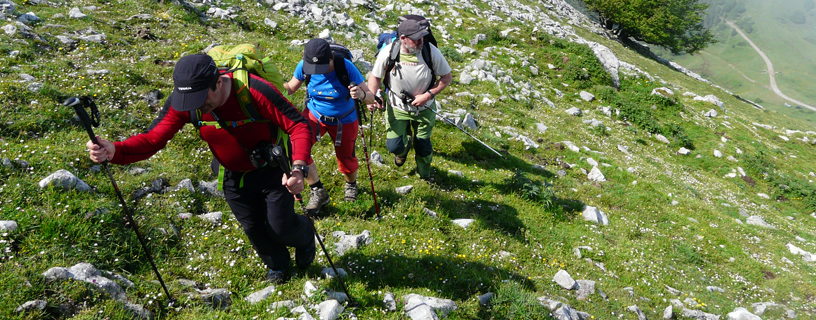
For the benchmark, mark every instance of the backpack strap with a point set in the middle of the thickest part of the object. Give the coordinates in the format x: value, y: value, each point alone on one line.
x: 341, y: 73
x: 426, y: 55
x: 393, y: 58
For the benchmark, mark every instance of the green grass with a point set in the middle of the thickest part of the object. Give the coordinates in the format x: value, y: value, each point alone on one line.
x: 527, y: 220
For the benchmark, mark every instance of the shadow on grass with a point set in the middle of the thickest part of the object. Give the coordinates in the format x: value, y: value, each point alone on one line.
x: 443, y: 277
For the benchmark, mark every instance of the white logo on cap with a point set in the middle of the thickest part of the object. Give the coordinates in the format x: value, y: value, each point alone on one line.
x: 185, y: 88
x: 314, y: 59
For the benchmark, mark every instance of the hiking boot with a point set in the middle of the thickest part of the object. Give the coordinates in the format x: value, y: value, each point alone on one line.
x: 277, y: 277
x: 351, y: 192
x: 305, y: 255
x: 318, y: 198
x: 399, y: 161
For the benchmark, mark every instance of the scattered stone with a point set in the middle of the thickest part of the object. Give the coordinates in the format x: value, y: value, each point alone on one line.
x: 389, y: 302
x: 574, y: 111
x: 551, y: 304
x: 718, y: 154
x: 64, y: 179
x: 210, y: 188
x: 763, y: 196
x: 563, y: 278
x: 485, y: 298
x: 404, y: 190
x: 758, y: 221
x: 215, y: 298
x: 638, y: 312
x: 662, y: 138
x: 697, y: 314
x: 596, y: 175
x: 456, y: 173
x: 715, y: 289
x: 329, y: 310
x: 683, y: 151
x: 592, y: 214
x: 31, y: 306
x: 309, y: 289
x: 584, y: 289
x: 8, y: 226
x: 541, y: 127
x: 438, y: 306
x: 260, y: 295
x: 348, y: 242
x: 329, y: 272
x: 213, y: 217
x: 586, y: 96
x: 711, y: 99
x: 663, y: 91
x: 377, y: 159
x: 742, y: 314
x: 672, y: 290
x: 577, y: 250
x: 711, y: 113
x: 430, y: 213
x: 630, y: 290
x: 565, y: 312
x: 807, y: 256
x: 288, y: 304
x: 74, y: 13
x: 668, y: 313
x: 464, y: 223
x: 465, y: 78
x: 185, y: 184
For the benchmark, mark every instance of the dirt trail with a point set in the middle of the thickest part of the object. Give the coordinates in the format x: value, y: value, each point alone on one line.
x: 770, y: 67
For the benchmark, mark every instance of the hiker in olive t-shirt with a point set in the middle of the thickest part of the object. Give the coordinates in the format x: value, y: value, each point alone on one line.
x: 411, y: 95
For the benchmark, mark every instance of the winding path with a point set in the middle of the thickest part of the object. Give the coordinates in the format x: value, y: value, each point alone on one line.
x: 770, y: 67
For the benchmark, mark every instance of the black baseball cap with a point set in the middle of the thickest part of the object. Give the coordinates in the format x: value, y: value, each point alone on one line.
x: 412, y: 29
x: 192, y: 77
x: 316, y: 56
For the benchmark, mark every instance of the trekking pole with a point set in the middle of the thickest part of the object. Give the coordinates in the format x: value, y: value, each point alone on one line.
x: 79, y: 105
x: 358, y: 104
x: 283, y: 162
x: 410, y: 98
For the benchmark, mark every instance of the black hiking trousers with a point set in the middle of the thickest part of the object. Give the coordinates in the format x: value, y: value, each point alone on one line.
x: 266, y: 211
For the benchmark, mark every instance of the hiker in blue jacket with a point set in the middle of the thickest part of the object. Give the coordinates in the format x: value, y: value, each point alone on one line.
x: 330, y: 107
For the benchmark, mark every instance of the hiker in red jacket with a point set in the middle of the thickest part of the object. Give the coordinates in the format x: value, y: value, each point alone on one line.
x: 260, y: 197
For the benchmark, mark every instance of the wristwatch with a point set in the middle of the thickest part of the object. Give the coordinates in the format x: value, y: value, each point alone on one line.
x: 302, y: 168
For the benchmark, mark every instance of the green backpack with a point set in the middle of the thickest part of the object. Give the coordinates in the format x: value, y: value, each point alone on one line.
x: 242, y: 60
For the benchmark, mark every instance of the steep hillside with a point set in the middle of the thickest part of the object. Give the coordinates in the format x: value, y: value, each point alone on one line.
x: 659, y: 193
x: 784, y: 30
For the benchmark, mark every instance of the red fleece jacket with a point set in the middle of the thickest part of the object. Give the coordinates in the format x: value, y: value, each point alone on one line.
x: 269, y: 102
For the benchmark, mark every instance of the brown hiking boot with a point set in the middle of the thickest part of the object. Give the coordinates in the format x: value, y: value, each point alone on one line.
x: 399, y: 161
x: 318, y: 198
x: 351, y: 192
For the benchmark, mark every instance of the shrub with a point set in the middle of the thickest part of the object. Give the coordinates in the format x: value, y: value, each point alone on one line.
x: 530, y: 189
x: 451, y: 54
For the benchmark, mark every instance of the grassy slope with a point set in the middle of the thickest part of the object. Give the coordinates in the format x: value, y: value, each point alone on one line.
x: 649, y: 243
x: 782, y: 40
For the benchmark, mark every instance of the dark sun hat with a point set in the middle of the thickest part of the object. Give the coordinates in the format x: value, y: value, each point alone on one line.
x: 316, y: 56
x: 192, y: 77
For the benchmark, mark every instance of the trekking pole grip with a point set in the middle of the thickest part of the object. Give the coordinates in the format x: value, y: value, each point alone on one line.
x: 79, y: 108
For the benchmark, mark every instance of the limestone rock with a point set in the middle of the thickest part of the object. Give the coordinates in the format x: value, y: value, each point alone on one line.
x: 586, y: 96
x: 260, y: 295
x: 8, y: 226
x: 574, y: 111
x: 563, y: 278
x: 742, y: 314
x: 404, y: 190
x: 64, y: 179
x: 464, y: 223
x: 596, y: 175
x: 591, y: 213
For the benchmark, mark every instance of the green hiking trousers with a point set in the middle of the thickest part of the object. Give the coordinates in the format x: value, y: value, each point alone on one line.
x: 406, y: 130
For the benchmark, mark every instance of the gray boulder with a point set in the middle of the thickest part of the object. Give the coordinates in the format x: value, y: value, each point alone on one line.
x: 404, y: 190
x: 464, y: 223
x: 484, y: 299
x: 465, y: 78
x: 32, y: 306
x: 638, y: 312
x: 758, y: 221
x: 596, y: 175
x: 213, y: 217
x: 389, y: 302
x: 563, y: 279
x: 574, y: 111
x: 215, y: 298
x: 586, y: 96
x: 584, y: 289
x: 348, y: 242
x: 260, y: 295
x: 439, y: 306
x: 75, y: 13
x: 329, y: 310
x: 329, y: 272
x: 711, y: 113
x: 28, y: 18
x: 742, y: 314
x: 64, y: 179
x: 591, y: 213
x: 8, y: 226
